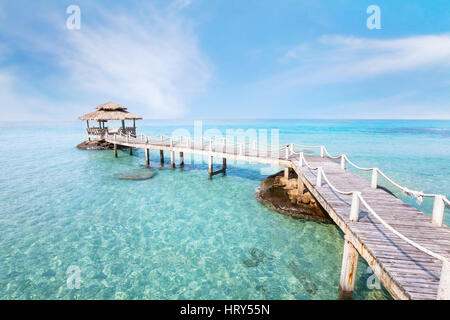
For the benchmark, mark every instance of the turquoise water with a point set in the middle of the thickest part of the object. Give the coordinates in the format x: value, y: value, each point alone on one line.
x: 180, y: 235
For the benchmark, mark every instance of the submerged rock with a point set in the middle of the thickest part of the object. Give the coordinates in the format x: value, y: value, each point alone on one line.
x: 258, y: 256
x: 96, y: 145
x: 282, y: 195
x: 136, y: 175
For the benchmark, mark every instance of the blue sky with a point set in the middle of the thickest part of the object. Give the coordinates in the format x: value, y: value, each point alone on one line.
x: 203, y: 59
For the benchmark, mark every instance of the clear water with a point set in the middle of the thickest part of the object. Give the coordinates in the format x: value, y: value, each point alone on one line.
x: 180, y: 235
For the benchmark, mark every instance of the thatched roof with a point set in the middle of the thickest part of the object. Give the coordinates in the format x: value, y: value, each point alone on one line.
x: 110, y: 106
x: 110, y: 111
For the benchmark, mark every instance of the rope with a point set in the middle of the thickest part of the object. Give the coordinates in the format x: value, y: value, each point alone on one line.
x: 414, y: 244
x: 333, y: 187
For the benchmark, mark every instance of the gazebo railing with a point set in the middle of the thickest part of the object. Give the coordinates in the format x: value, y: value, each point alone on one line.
x: 96, y: 131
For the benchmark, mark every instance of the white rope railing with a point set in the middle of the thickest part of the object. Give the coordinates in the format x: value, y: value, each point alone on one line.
x: 440, y: 200
x: 357, y: 198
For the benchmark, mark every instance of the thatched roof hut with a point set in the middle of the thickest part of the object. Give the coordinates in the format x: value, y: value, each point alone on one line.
x: 110, y: 111
x: 104, y: 113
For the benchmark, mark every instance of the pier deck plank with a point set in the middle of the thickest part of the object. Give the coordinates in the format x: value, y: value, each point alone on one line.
x: 406, y: 272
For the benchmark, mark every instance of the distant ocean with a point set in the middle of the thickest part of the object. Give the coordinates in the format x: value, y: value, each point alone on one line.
x: 180, y: 235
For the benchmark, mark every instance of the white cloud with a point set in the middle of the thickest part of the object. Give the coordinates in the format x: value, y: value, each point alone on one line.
x: 155, y: 65
x: 333, y: 59
x: 145, y: 58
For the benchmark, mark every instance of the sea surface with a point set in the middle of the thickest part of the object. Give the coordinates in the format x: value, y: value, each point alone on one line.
x: 71, y: 229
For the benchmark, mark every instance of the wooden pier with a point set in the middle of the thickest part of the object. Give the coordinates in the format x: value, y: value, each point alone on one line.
x: 407, y: 250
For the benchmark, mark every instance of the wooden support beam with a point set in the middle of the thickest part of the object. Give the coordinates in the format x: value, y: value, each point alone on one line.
x: 301, y: 185
x: 224, y: 165
x: 210, y: 166
x: 161, y: 157
x: 348, y: 271
x: 172, y: 159
x: 147, y: 157
x: 181, y: 159
x: 286, y: 173
x: 115, y: 150
x: 131, y: 151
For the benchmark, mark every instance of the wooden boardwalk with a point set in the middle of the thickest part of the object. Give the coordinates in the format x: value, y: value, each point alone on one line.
x: 405, y: 271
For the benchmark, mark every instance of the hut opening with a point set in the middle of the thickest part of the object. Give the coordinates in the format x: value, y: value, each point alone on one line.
x: 108, y: 112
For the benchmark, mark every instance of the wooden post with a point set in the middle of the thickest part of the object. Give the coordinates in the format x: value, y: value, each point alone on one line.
x: 348, y: 271
x: 322, y: 151
x: 301, y: 185
x: 224, y: 165
x: 354, y: 211
x: 115, y: 150
x: 123, y: 125
x: 343, y: 162
x: 319, y: 177
x: 286, y: 173
x: 161, y: 157
x: 131, y: 151
x: 181, y: 159
x: 210, y: 166
x: 172, y: 159
x: 301, y: 160
x: 444, y: 283
x: 374, y: 182
x: 147, y: 157
x: 438, y: 210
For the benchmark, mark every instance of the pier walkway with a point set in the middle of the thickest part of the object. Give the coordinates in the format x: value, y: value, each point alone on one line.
x: 407, y: 250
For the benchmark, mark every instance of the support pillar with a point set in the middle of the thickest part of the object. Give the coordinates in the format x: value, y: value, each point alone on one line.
x: 161, y: 157
x: 301, y: 186
x: 147, y: 157
x: 181, y: 159
x: 172, y: 159
x: 210, y: 166
x: 131, y: 151
x: 115, y: 150
x: 224, y: 165
x: 348, y: 271
x: 286, y: 173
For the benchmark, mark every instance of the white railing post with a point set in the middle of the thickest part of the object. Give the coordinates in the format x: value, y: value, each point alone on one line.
x: 322, y: 151
x: 287, y: 152
x: 343, y: 162
x: 291, y: 148
x: 374, y: 182
x: 354, y: 211
x: 438, y: 210
x: 319, y: 177
x: 241, y: 149
x: 301, y: 160
x: 444, y: 283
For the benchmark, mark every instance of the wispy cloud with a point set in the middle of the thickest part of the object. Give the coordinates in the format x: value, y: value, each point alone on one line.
x: 145, y: 58
x: 333, y: 59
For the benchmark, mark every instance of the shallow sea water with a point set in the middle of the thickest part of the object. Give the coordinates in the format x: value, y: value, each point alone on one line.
x: 180, y: 235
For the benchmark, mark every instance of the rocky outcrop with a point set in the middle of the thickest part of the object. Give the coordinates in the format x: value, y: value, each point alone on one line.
x: 96, y: 145
x: 282, y: 195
